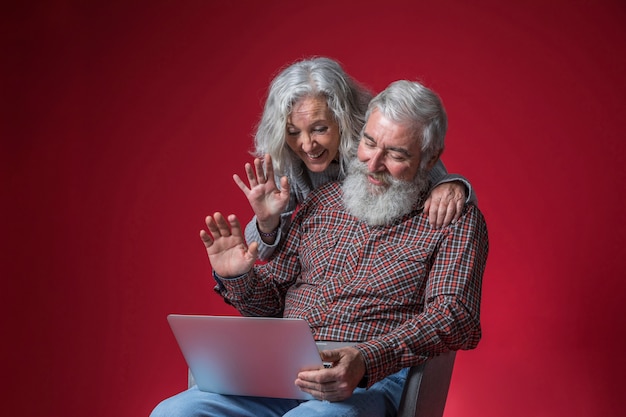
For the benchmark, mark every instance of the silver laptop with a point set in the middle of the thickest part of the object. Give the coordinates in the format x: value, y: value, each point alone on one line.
x: 257, y: 356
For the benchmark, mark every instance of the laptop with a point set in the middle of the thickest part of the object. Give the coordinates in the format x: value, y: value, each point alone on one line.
x: 252, y: 356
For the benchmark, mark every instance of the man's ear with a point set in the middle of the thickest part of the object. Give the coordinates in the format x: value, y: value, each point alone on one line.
x: 434, y: 160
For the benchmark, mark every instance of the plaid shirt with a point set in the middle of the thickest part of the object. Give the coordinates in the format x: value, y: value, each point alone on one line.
x: 405, y: 292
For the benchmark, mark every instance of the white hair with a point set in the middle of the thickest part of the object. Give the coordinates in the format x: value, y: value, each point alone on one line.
x: 317, y: 77
x: 381, y: 208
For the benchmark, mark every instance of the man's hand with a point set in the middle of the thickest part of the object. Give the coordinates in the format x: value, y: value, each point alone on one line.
x: 336, y: 383
x: 445, y: 203
x: 267, y: 201
x: 228, y: 253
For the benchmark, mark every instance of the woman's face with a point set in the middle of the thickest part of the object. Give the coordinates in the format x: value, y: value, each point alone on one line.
x: 312, y: 133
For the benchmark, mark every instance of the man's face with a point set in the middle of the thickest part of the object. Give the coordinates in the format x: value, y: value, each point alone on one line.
x: 386, y: 181
x: 388, y: 148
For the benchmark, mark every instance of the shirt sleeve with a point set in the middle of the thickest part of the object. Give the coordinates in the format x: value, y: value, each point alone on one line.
x: 450, y: 319
x: 439, y: 175
x: 261, y: 291
x: 250, y: 294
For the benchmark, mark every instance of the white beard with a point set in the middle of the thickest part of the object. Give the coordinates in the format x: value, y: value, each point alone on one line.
x: 380, y: 205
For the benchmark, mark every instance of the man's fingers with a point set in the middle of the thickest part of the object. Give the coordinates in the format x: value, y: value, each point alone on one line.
x: 253, y: 249
x: 206, y: 239
x: 212, y: 226
x: 329, y: 390
x: 235, y: 226
x: 330, y: 355
x: 221, y: 226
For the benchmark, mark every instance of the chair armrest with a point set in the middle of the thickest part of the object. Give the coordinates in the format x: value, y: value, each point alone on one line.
x: 426, y: 388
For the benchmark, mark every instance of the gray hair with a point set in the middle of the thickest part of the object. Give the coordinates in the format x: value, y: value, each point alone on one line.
x: 316, y: 77
x: 411, y: 103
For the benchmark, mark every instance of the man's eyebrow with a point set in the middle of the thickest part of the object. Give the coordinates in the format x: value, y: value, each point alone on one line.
x: 400, y: 150
x: 369, y: 137
x: 392, y: 148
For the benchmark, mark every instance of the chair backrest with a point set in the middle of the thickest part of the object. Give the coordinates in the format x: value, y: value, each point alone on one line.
x: 426, y: 388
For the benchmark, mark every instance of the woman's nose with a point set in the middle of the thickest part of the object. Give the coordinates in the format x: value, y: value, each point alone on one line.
x: 306, y: 142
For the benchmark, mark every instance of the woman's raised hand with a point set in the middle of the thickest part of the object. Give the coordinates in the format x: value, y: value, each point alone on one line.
x: 265, y: 198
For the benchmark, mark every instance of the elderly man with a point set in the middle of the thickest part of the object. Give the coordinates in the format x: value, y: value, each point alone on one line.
x: 361, y: 264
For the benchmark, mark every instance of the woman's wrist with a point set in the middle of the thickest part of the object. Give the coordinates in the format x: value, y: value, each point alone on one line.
x: 271, y: 234
x: 268, y: 234
x: 267, y: 226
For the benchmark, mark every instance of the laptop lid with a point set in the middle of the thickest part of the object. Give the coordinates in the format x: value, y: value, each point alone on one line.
x: 257, y: 356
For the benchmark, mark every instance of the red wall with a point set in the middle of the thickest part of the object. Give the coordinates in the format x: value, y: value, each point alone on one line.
x: 123, y: 123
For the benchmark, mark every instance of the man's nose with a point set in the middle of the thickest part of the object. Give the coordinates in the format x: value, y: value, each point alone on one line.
x: 375, y: 164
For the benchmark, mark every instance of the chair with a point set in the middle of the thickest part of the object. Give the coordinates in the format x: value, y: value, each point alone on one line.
x: 426, y: 388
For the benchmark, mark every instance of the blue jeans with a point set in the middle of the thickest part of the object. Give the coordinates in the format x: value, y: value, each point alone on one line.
x: 381, y: 399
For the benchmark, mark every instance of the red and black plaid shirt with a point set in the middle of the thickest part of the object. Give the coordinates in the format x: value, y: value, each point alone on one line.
x: 406, y: 291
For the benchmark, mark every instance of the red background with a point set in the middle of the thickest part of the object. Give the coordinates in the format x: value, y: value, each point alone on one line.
x: 122, y: 124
